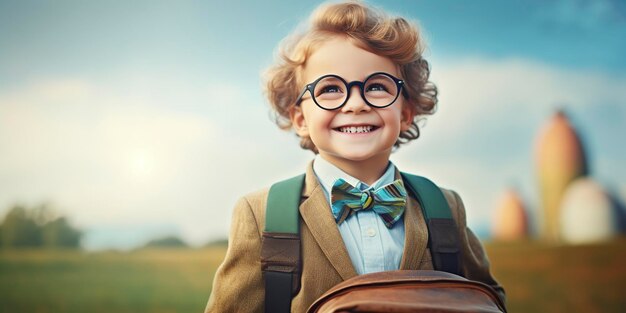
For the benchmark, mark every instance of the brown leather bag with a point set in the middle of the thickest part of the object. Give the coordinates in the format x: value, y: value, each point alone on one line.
x: 409, y: 291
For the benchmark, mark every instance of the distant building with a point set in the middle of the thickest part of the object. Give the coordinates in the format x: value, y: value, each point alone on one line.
x: 510, y: 220
x: 560, y: 159
x: 587, y: 213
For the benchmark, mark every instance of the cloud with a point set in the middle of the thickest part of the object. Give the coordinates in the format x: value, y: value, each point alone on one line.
x: 117, y: 154
x: 97, y: 153
x: 497, y: 107
x: 477, y: 91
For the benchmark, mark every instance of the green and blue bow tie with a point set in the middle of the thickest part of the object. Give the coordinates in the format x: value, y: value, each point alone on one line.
x: 388, y: 201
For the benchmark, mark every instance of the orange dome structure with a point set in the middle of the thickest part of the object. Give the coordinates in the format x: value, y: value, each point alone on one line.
x: 510, y: 220
x: 560, y: 159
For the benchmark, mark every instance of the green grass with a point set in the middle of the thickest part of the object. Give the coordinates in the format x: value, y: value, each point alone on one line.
x: 176, y: 280
x: 545, y: 278
x: 537, y: 277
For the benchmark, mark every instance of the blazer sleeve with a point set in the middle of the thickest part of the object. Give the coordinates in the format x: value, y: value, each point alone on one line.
x: 238, y: 283
x: 475, y: 264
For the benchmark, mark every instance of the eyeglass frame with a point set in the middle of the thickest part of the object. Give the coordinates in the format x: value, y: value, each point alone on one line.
x: 361, y: 84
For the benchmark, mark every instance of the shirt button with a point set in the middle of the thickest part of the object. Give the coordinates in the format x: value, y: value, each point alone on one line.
x: 371, y: 232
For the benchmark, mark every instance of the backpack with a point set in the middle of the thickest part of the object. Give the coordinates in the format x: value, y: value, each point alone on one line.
x: 409, y: 291
x: 280, y: 251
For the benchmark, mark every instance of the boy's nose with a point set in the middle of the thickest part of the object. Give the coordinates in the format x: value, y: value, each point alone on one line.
x: 355, y: 103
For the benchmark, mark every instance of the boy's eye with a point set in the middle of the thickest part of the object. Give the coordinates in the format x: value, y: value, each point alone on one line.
x: 376, y: 87
x: 329, y: 89
x: 380, y: 87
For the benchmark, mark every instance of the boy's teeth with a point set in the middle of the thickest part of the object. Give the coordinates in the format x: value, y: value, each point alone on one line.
x: 356, y: 129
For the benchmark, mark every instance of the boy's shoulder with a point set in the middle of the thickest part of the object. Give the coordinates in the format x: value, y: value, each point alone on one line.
x: 250, y: 210
x: 455, y: 203
x: 257, y: 195
x: 255, y: 200
x: 451, y: 196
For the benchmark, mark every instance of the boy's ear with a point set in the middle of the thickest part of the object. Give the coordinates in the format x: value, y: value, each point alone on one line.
x: 299, y: 122
x: 407, y: 116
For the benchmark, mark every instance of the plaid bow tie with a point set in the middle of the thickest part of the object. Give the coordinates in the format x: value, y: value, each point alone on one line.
x: 388, y: 201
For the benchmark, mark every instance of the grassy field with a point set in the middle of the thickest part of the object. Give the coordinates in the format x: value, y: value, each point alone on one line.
x: 141, y: 281
x: 542, y: 278
x: 538, y: 278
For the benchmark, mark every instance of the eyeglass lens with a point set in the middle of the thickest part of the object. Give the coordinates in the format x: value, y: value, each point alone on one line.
x: 379, y: 90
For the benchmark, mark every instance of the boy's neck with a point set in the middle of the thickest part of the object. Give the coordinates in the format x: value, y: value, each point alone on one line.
x: 367, y: 171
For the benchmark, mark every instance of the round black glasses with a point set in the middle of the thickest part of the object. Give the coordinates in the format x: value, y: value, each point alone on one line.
x: 331, y: 92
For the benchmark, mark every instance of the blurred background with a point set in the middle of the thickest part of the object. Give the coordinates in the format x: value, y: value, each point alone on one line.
x: 121, y: 123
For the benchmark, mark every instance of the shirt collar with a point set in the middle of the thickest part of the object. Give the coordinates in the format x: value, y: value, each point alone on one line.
x: 327, y: 174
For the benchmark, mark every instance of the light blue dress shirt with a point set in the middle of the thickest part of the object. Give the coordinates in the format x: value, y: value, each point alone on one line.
x: 371, y: 245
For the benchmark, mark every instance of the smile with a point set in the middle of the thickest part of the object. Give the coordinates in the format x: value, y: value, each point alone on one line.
x: 356, y: 129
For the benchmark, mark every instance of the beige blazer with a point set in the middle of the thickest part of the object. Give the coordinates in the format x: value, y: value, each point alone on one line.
x: 238, y: 284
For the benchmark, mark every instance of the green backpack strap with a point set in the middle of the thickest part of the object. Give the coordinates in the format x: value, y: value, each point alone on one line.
x: 443, y: 235
x: 280, y: 250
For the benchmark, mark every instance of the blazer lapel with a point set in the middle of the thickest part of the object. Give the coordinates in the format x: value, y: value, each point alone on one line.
x: 415, y: 234
x: 316, y: 214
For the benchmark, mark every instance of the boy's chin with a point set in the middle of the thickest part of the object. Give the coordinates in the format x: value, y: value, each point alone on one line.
x: 359, y: 157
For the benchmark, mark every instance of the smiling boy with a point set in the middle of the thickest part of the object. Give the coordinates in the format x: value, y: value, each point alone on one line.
x: 352, y: 86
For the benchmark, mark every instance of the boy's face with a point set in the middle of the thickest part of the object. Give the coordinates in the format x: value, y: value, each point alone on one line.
x: 327, y: 129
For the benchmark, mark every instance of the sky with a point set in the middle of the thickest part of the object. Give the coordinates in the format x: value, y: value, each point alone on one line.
x: 147, y: 118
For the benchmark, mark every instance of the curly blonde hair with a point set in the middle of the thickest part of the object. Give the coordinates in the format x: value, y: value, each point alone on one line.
x: 370, y: 29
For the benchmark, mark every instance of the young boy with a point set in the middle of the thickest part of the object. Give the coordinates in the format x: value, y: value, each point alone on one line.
x: 352, y: 87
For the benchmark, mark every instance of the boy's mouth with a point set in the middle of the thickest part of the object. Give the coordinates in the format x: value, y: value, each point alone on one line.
x: 356, y: 129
